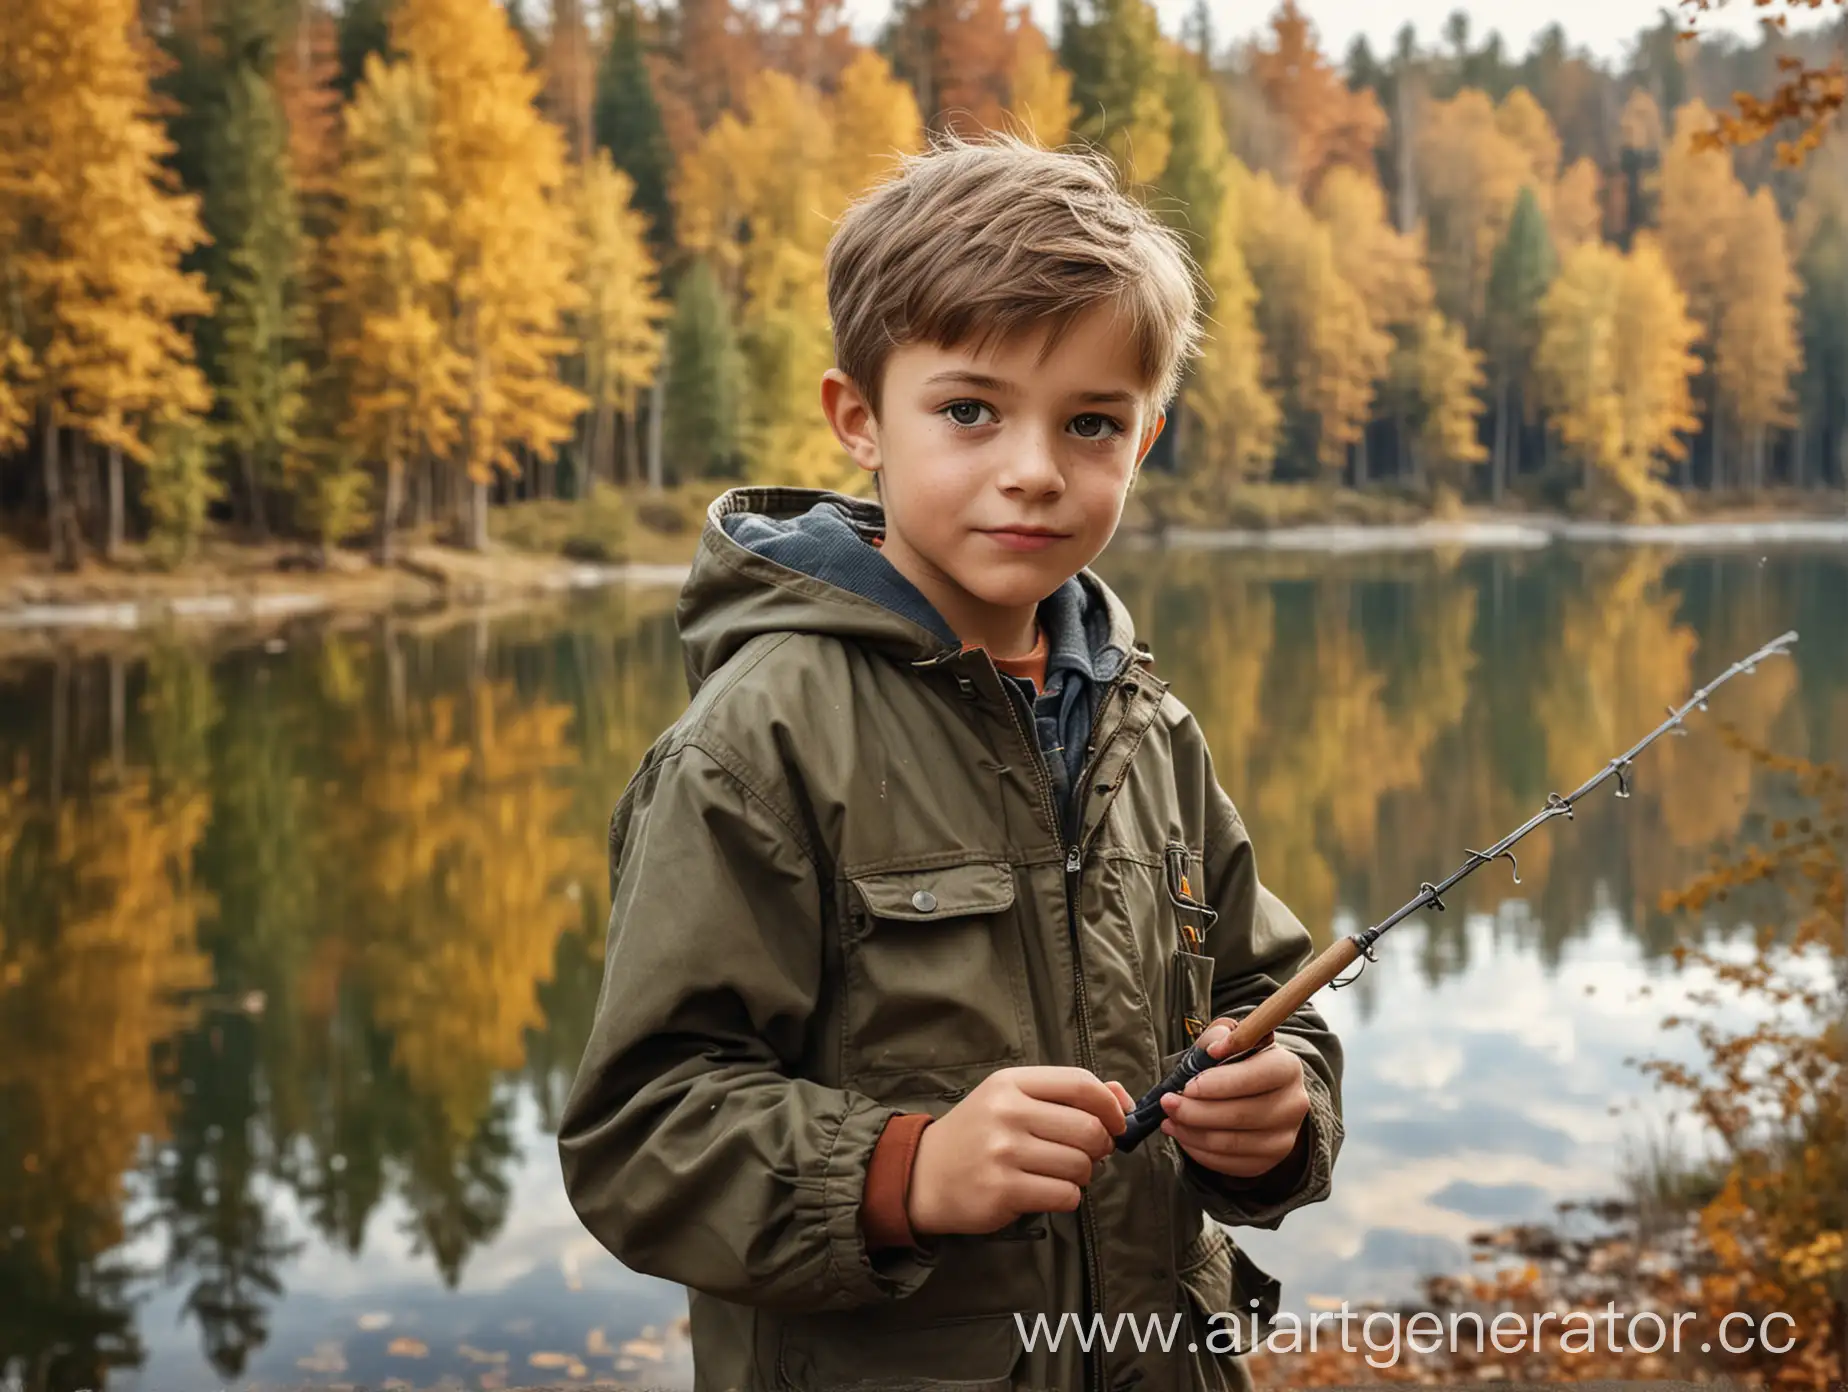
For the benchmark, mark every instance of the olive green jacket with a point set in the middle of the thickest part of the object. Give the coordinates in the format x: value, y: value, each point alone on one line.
x: 840, y: 892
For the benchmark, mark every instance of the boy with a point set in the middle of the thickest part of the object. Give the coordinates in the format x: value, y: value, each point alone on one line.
x: 934, y: 873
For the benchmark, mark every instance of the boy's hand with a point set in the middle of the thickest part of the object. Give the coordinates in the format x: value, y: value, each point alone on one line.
x: 1025, y: 1140
x: 1240, y: 1119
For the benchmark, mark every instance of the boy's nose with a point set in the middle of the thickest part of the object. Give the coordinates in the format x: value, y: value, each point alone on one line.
x: 1033, y: 465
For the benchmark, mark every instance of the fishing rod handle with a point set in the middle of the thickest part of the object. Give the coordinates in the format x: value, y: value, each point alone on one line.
x: 1148, y: 1114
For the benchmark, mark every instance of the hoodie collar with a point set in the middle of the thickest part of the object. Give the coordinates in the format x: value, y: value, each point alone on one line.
x: 777, y: 559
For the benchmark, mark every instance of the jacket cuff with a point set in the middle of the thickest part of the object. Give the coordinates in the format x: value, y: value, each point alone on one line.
x: 1262, y: 1201
x: 865, y: 1275
x: 884, y: 1209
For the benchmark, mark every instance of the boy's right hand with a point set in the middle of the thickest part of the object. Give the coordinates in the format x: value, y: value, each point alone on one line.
x: 1025, y: 1140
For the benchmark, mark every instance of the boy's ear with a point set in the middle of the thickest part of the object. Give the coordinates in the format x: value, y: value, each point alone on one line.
x: 1150, y: 435
x: 851, y: 418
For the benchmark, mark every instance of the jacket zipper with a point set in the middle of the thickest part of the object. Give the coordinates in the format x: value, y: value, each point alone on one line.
x: 1074, y: 865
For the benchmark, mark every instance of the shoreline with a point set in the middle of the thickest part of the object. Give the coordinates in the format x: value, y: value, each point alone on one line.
x: 36, y: 603
x: 1523, y: 534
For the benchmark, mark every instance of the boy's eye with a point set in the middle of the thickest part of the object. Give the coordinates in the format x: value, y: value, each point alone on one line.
x: 957, y: 420
x: 1116, y: 426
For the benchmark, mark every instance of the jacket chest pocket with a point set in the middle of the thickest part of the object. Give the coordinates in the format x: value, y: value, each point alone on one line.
x: 934, y: 971
x: 1190, y: 970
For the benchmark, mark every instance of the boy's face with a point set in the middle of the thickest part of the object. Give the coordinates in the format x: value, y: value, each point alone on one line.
x: 962, y: 462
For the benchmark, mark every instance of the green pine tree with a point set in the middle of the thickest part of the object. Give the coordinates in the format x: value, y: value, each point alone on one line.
x: 705, y: 377
x: 1520, y: 272
x: 1114, y: 50
x: 628, y: 124
x: 1823, y: 387
x: 259, y: 370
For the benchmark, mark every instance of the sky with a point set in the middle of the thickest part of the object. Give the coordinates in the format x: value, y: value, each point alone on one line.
x: 1606, y: 27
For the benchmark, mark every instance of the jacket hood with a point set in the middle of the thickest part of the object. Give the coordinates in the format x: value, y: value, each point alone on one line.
x: 780, y: 560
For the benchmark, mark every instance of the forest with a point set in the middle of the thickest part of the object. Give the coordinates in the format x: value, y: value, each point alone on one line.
x: 327, y: 271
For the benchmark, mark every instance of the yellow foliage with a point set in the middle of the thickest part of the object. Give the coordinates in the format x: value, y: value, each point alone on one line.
x: 1576, y: 216
x: 460, y: 849
x: 1524, y: 121
x: 1470, y: 171
x: 1385, y: 265
x: 1040, y: 98
x: 94, y: 229
x: 1445, y: 377
x: 1325, y: 348
x: 508, y: 230
x: 619, y: 324
x: 83, y: 1008
x: 1237, y: 414
x: 1613, y: 365
x: 1759, y: 347
x: 391, y: 270
x: 1701, y: 201
x: 760, y: 193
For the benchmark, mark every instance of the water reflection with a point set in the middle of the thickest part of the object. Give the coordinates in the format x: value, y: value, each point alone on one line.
x: 299, y: 944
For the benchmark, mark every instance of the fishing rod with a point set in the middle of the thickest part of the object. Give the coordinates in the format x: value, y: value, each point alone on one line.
x: 1337, y: 957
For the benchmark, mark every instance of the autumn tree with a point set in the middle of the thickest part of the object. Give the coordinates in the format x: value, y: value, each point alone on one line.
x: 1700, y: 201
x: 1758, y: 348
x: 1471, y: 172
x: 1227, y: 393
x: 759, y: 197
x: 404, y: 382
x: 1328, y: 123
x: 617, y: 323
x: 957, y: 56
x: 508, y: 233
x: 1613, y: 364
x: 95, y: 233
x: 1441, y: 376
x: 1325, y: 351
x: 1040, y: 106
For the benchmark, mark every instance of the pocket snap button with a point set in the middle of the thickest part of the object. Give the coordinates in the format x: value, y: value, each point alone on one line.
x: 923, y: 901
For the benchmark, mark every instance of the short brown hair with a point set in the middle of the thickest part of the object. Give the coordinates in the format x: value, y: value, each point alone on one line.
x: 971, y: 241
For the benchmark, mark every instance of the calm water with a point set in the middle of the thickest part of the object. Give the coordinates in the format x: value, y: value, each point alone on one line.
x: 299, y: 943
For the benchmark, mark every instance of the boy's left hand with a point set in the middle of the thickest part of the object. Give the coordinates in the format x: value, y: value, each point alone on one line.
x: 1240, y: 1119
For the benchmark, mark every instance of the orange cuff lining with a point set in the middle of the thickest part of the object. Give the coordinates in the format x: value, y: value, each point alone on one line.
x: 884, y: 1214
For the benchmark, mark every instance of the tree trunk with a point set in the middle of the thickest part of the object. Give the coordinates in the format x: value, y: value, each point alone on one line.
x: 259, y: 524
x: 388, y: 514
x: 656, y: 395
x: 478, y: 517
x: 57, y: 516
x: 83, y: 483
x: 607, y: 463
x: 112, y: 544
x: 1498, y: 457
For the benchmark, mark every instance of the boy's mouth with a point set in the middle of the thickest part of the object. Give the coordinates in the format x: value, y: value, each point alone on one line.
x: 1025, y: 538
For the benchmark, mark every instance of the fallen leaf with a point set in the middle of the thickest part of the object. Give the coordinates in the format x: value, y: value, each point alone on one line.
x: 406, y: 1347
x: 475, y: 1355
x: 644, y: 1348
x: 597, y: 1343
x: 377, y: 1320
x: 550, y: 1360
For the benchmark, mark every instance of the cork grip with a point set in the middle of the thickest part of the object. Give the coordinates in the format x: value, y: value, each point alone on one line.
x: 1336, y: 958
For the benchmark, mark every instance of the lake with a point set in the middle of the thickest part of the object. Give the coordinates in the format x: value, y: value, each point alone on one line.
x: 299, y: 941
